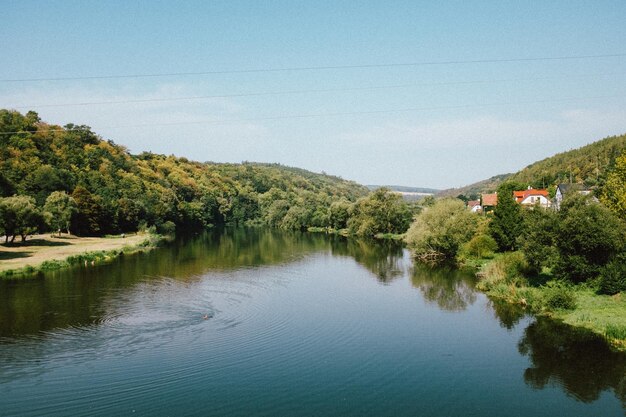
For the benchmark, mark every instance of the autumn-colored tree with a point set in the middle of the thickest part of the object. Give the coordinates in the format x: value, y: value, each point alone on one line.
x: 85, y: 220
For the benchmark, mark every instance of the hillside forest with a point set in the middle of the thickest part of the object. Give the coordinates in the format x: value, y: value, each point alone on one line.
x: 69, y: 179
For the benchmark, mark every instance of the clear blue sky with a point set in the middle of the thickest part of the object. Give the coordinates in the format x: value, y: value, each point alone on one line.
x: 471, y: 120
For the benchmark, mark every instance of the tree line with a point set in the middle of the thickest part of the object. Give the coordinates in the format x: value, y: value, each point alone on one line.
x: 69, y: 179
x: 583, y: 242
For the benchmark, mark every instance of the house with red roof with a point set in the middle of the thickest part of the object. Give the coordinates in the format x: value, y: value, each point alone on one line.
x: 489, y: 201
x: 532, y: 197
x: 474, y: 206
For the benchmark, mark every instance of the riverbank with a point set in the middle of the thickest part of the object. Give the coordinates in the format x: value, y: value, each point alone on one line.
x: 45, y: 252
x: 576, y: 305
x: 346, y: 233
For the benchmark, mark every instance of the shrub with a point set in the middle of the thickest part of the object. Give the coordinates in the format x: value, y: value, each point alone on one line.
x: 589, y: 236
x: 559, y: 296
x: 507, y: 268
x: 439, y: 231
x: 166, y: 228
x: 481, y: 246
x: 613, y: 276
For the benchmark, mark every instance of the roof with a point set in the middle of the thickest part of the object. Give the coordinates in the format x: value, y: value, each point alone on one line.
x: 473, y: 203
x: 522, y: 195
x: 489, y: 199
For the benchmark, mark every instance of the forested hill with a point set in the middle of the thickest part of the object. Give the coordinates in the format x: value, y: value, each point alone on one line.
x: 588, y: 164
x: 115, y: 191
x: 404, y: 189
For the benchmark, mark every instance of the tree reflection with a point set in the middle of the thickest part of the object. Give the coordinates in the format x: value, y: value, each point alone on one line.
x: 507, y: 314
x: 77, y: 297
x: 451, y: 289
x: 577, y: 360
x: 383, y: 259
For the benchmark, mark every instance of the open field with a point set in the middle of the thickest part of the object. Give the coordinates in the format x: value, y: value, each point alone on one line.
x: 41, y: 248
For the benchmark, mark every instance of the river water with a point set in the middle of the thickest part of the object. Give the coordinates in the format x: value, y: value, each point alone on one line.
x: 250, y: 322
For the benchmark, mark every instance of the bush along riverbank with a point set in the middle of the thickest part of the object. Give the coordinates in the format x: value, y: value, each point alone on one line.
x: 568, y: 264
x: 45, y: 261
x: 507, y: 277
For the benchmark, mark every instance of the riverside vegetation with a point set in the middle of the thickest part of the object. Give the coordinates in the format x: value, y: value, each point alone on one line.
x: 569, y: 264
x: 55, y: 179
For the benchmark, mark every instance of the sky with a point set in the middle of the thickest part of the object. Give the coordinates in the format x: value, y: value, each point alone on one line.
x: 428, y: 94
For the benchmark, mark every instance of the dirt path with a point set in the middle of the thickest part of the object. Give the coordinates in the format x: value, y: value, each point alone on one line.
x: 42, y: 248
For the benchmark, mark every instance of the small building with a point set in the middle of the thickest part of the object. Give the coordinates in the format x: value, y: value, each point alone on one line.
x: 474, y: 206
x: 532, y: 197
x: 489, y: 201
x: 563, y: 190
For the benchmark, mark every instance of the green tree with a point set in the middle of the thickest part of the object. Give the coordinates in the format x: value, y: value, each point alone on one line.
x: 20, y: 217
x: 507, y: 222
x: 589, y: 235
x: 42, y: 181
x: 613, y: 193
x: 381, y: 212
x: 129, y: 214
x: 439, y: 231
x: 480, y: 246
x: 296, y: 218
x: 537, y: 240
x: 339, y: 213
x: 86, y: 218
x: 58, y: 211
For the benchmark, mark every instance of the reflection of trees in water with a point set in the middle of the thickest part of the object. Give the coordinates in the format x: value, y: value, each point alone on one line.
x: 240, y: 247
x: 576, y: 360
x: 383, y: 259
x: 451, y: 289
x: 507, y: 314
x: 78, y: 296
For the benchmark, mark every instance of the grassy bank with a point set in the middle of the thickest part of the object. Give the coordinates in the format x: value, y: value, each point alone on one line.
x: 504, y: 278
x: 45, y: 253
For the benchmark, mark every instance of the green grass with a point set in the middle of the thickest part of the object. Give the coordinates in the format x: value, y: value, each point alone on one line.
x: 579, y: 305
x: 85, y: 258
x: 603, y: 314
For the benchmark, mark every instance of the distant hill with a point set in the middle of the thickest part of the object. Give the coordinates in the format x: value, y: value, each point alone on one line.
x: 588, y: 164
x: 403, y: 189
x: 473, y: 190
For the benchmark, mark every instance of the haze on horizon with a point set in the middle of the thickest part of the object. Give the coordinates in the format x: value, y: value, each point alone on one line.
x: 478, y: 104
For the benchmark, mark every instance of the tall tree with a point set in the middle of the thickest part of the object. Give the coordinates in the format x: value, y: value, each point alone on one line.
x: 507, y: 222
x: 58, y: 210
x: 85, y: 220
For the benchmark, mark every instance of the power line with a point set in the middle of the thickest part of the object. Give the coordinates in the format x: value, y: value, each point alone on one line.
x: 352, y: 113
x: 305, y: 91
x: 317, y: 68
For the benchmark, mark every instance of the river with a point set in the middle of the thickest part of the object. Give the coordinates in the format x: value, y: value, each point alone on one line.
x: 248, y: 322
